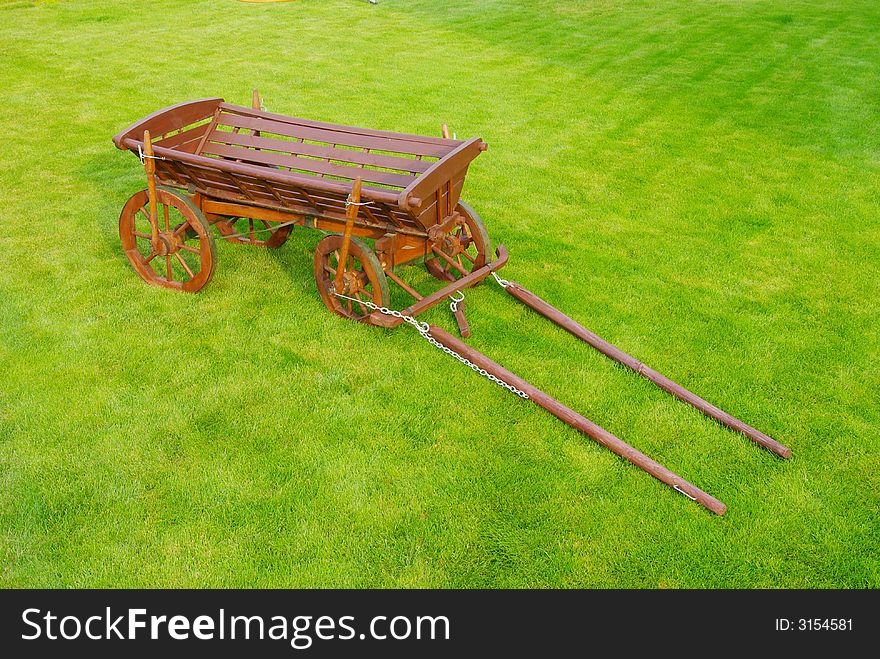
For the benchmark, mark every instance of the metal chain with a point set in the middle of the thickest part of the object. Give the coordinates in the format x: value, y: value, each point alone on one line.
x: 143, y: 156
x: 425, y: 330
x: 456, y: 301
x: 467, y: 362
x: 503, y: 283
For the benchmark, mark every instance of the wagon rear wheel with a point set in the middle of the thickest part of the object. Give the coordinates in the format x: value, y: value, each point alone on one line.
x: 184, y: 257
x: 467, y: 246
x: 247, y: 231
x: 364, y: 279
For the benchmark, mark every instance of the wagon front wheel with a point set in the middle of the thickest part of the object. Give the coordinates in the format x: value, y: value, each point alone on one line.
x: 363, y: 281
x: 184, y: 257
x: 465, y: 248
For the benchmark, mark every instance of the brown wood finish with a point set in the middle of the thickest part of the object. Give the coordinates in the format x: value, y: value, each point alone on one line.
x: 340, y: 128
x: 305, y: 165
x: 295, y: 148
x: 150, y: 169
x: 254, y: 175
x: 463, y: 327
x: 581, y: 423
x: 351, y: 212
x: 400, y: 145
x: 530, y: 299
x: 440, y: 173
x: 437, y: 297
x: 169, y: 119
x: 406, y: 238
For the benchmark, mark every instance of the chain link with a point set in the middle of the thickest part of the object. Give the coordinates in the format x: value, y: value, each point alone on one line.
x: 503, y: 283
x: 456, y: 301
x: 467, y: 362
x: 143, y: 156
x: 425, y: 330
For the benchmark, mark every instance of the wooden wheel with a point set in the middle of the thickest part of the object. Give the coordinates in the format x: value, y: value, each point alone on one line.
x: 247, y: 231
x: 467, y: 245
x: 363, y: 279
x: 184, y: 258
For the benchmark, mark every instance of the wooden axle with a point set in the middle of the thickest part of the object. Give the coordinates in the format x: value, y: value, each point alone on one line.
x: 530, y: 299
x: 581, y: 423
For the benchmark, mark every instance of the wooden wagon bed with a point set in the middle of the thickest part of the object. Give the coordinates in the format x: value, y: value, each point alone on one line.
x: 278, y: 171
x: 229, y: 152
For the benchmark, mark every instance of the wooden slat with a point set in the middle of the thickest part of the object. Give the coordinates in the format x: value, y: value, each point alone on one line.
x: 304, y: 149
x: 182, y: 140
x: 306, y: 164
x: 440, y: 172
x: 330, y: 136
x: 169, y: 119
x: 277, y: 175
x: 311, y: 123
x: 428, y: 213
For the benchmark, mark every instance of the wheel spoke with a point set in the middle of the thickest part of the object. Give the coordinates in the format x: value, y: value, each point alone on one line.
x: 144, y: 213
x: 143, y: 235
x: 168, y: 267
x: 181, y: 228
x: 167, y: 227
x: 327, y: 268
x: 190, y: 248
x: 251, y: 229
x: 151, y: 257
x: 185, y: 266
x: 468, y: 257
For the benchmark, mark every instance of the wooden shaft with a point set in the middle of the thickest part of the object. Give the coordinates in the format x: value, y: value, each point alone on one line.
x: 581, y: 423
x: 463, y: 328
x: 150, y: 167
x: 530, y: 299
x: 351, y: 212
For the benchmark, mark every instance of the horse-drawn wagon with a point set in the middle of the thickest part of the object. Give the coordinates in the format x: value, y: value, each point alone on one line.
x: 253, y: 175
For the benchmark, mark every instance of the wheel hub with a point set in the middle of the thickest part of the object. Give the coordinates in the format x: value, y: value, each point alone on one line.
x: 351, y: 283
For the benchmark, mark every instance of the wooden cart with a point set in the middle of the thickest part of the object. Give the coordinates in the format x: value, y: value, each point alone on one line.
x: 254, y: 175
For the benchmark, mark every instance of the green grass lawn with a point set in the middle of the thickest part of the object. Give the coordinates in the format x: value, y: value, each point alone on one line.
x: 695, y: 181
